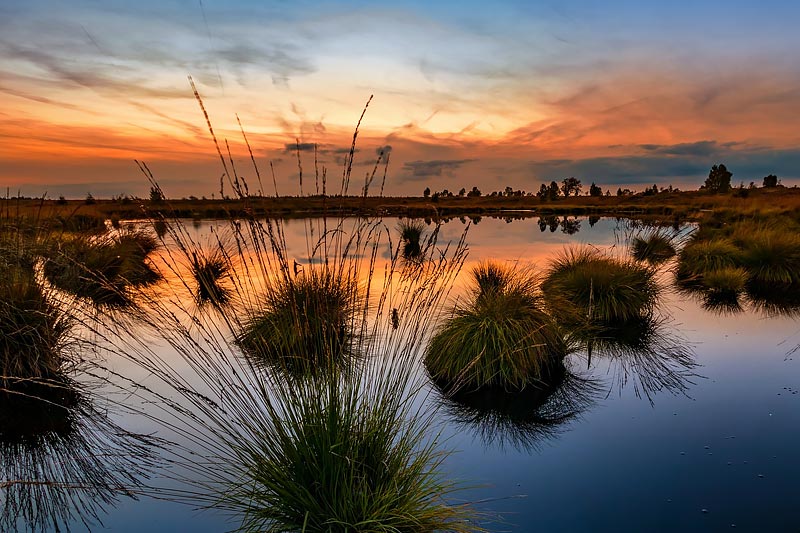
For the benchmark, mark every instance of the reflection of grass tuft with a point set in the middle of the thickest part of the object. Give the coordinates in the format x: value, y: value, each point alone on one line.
x: 501, y: 338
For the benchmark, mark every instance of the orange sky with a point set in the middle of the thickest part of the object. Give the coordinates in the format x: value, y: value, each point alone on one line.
x: 507, y: 97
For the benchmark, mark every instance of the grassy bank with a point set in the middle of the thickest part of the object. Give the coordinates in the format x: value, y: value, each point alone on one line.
x: 683, y: 206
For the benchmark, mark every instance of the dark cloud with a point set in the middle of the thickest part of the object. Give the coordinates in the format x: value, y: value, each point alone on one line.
x: 289, y: 148
x: 385, y: 150
x: 436, y: 167
x: 687, y: 163
x: 699, y: 149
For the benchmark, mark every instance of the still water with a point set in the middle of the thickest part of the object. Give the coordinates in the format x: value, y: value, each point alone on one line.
x: 628, y: 444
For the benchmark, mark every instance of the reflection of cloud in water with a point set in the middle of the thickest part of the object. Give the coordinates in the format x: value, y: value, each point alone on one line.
x: 525, y: 419
x: 62, y: 460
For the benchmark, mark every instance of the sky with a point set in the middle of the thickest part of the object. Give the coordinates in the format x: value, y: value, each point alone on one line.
x: 487, y: 94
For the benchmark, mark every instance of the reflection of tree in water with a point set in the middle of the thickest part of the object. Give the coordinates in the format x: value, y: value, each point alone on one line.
x: 646, y: 355
x: 525, y: 419
x: 62, y: 460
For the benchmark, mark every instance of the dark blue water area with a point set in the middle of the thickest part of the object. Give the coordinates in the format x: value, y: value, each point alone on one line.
x: 722, y: 455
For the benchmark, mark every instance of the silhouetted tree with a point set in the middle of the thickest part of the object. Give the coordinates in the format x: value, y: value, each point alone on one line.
x: 462, y: 192
x: 571, y: 185
x: 771, y: 181
x: 427, y: 192
x: 594, y: 190
x: 156, y: 196
x: 719, y: 179
x: 474, y: 192
x: 89, y: 199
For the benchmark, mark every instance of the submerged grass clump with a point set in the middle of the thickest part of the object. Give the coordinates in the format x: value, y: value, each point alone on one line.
x: 305, y: 323
x: 582, y: 284
x: 502, y: 337
x: 655, y: 247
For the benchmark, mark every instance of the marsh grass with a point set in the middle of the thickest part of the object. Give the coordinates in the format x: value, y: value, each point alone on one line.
x: 103, y: 269
x: 336, y: 450
x: 655, y: 247
x: 501, y: 337
x: 305, y: 323
x: 33, y: 330
x: 209, y: 270
x: 584, y: 285
x: 411, y: 232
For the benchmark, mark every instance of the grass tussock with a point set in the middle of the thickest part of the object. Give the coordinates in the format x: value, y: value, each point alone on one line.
x: 582, y: 284
x: 33, y: 329
x: 103, y: 269
x: 411, y: 232
x: 209, y: 271
x: 305, y: 323
x: 655, y: 247
x: 502, y: 337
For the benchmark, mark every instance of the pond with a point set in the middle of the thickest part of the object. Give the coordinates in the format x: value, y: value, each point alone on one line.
x: 697, y: 431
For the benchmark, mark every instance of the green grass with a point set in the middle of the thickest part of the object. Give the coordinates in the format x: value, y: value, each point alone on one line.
x: 700, y: 256
x: 728, y: 280
x: 341, y: 464
x: 582, y: 284
x: 502, y: 337
x: 655, y: 247
x: 305, y: 323
x: 771, y: 256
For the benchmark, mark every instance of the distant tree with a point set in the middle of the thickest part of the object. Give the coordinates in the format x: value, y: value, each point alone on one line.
x: 508, y: 191
x: 61, y: 200
x: 719, y: 179
x: 553, y: 191
x: 156, y: 195
x: 571, y: 185
x: 771, y: 181
x: 427, y: 192
x: 474, y: 192
x: 462, y: 192
x: 594, y: 190
x: 89, y: 199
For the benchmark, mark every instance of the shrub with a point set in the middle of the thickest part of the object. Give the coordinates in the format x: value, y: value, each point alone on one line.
x: 501, y: 338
